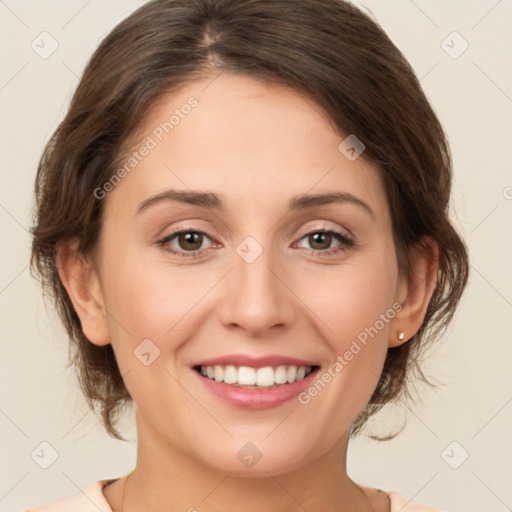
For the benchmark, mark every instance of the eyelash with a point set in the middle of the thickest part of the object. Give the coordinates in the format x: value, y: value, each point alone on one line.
x: 346, y: 243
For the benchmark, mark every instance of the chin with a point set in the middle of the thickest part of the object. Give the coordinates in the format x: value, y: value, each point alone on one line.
x: 253, y: 459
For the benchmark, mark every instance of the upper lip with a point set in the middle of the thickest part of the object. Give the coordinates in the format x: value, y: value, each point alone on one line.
x: 255, y: 361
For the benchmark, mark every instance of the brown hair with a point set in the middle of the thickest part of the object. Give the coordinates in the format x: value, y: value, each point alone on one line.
x: 330, y: 51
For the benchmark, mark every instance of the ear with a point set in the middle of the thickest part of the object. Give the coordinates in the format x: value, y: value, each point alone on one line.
x: 81, y: 281
x: 415, y: 291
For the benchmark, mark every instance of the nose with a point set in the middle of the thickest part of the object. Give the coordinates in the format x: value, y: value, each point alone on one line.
x: 258, y: 296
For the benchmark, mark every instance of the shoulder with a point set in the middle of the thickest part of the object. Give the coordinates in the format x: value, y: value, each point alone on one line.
x: 89, y: 500
x: 401, y: 504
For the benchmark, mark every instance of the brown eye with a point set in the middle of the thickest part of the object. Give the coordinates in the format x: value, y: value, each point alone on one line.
x: 186, y: 243
x: 320, y: 241
x: 190, y: 240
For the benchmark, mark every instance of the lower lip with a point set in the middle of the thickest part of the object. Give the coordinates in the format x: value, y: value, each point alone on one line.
x: 256, y: 399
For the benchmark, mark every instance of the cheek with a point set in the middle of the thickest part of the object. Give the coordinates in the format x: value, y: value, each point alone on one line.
x: 151, y: 315
x: 351, y: 299
x: 150, y: 300
x: 354, y: 308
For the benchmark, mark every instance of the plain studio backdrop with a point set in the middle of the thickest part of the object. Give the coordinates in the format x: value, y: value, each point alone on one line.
x: 455, y: 451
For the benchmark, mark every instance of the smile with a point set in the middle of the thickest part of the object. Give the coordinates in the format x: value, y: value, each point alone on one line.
x: 267, y: 377
x: 255, y: 383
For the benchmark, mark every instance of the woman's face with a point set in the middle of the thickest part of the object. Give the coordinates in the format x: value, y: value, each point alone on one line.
x: 252, y: 279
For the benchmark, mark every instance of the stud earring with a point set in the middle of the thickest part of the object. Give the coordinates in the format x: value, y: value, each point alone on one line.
x: 401, y: 335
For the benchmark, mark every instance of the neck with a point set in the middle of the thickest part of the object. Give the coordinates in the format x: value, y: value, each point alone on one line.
x: 166, y: 478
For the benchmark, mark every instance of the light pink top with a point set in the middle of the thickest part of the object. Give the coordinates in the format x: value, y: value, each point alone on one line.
x: 93, y: 500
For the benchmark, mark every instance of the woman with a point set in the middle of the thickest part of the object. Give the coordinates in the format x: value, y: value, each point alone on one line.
x: 243, y: 222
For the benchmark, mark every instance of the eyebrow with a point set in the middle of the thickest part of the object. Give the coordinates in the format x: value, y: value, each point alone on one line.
x: 216, y: 202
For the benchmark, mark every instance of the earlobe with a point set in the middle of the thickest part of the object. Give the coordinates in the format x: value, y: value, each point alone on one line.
x: 81, y: 281
x: 415, y: 291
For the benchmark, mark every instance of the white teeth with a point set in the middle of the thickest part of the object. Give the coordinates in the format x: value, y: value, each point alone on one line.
x: 291, y: 374
x: 218, y: 373
x: 265, y: 377
x: 246, y: 376
x: 230, y: 374
x: 280, y: 376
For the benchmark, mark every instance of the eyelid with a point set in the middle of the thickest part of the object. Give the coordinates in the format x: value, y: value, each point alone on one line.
x: 331, y: 226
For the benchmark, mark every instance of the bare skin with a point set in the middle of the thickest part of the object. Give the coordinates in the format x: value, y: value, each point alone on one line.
x: 257, y: 145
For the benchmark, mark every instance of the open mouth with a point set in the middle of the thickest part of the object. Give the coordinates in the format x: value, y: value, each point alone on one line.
x: 267, y: 377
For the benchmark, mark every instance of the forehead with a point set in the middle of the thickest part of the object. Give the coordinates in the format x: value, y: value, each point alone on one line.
x: 246, y: 139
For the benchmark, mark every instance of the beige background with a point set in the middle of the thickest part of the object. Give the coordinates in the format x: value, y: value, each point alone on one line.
x: 472, y: 95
